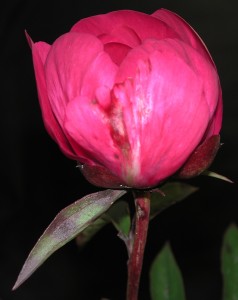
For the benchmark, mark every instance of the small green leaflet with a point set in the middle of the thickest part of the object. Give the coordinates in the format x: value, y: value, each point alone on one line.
x: 166, y: 282
x: 230, y: 263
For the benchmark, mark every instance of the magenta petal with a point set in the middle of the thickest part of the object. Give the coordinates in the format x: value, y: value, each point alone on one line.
x: 216, y: 122
x: 217, y: 119
x: 131, y: 93
x: 188, y: 35
x: 76, y: 65
x: 123, y: 35
x: 67, y: 62
x: 144, y: 25
x: 175, y: 116
x: 117, y: 51
x: 39, y: 52
x: 88, y: 125
x: 184, y: 30
x: 72, y: 69
x: 100, y: 74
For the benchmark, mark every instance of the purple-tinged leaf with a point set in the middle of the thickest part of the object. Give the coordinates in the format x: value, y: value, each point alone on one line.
x: 66, y: 226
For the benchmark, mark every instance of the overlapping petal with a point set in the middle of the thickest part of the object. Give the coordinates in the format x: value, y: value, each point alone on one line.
x: 59, y: 80
x: 142, y: 24
x: 87, y: 124
x: 188, y: 35
x: 133, y: 93
x: 176, y: 114
x: 184, y: 30
x: 66, y: 64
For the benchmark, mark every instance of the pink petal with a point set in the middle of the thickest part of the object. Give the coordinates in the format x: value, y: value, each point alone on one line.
x: 88, y: 125
x: 216, y: 122
x: 40, y: 51
x: 184, y: 30
x: 117, y: 51
x: 188, y: 35
x: 191, y: 57
x: 72, y: 69
x: 121, y: 34
x: 100, y: 74
x: 145, y: 26
x: 217, y: 119
x: 164, y: 121
x: 67, y: 62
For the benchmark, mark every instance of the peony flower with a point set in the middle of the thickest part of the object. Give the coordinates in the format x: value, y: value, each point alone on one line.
x: 130, y: 96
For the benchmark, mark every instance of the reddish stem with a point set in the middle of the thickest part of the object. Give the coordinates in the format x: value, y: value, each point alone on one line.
x: 142, y: 215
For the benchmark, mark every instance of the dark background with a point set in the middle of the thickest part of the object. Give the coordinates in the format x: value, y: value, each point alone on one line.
x: 37, y: 180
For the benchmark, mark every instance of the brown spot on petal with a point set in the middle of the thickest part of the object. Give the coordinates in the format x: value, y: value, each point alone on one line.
x: 201, y: 158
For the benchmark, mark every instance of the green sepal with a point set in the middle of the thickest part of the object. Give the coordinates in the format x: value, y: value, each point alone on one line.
x: 216, y: 175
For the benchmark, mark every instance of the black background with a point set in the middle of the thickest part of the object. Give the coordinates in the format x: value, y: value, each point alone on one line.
x: 37, y: 180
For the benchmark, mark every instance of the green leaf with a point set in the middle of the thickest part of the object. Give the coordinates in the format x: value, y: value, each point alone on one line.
x: 66, y: 226
x: 119, y: 215
x: 230, y: 263
x: 169, y: 194
x: 166, y: 282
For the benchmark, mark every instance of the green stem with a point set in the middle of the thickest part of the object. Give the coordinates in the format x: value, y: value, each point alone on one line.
x: 139, y: 236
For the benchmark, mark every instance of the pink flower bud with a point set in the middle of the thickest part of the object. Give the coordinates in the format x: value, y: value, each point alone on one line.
x: 132, y: 94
